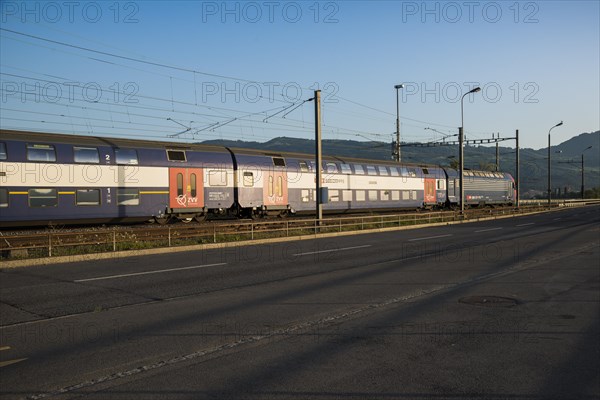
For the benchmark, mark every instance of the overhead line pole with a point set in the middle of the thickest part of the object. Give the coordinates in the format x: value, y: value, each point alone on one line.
x: 318, y: 154
x: 517, y: 170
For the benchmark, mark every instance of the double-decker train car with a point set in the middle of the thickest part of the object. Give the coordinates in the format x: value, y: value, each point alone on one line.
x: 52, y: 178
x: 481, y: 188
x: 57, y: 179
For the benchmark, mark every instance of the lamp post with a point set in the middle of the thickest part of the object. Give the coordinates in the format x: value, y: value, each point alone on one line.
x: 397, y: 153
x: 461, y: 150
x: 549, y: 165
x: 582, y: 174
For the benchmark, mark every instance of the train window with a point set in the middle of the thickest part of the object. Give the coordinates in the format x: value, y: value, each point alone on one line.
x: 334, y: 195
x: 217, y: 177
x: 278, y: 162
x: 303, y: 166
x: 345, y: 169
x: 372, y: 195
x: 3, y: 197
x: 371, y: 170
x: 2, y: 151
x: 346, y: 195
x: 412, y: 172
x: 43, y: 197
x: 395, y: 195
x: 413, y: 194
x: 179, y: 184
x: 87, y: 197
x: 193, y: 185
x: 405, y: 195
x: 331, y: 168
x: 128, y: 197
x: 305, y: 195
x: 248, y: 179
x: 126, y: 156
x: 425, y: 171
x: 176, y: 155
x: 86, y: 155
x: 385, y: 195
x: 271, y: 188
x: 360, y: 195
x: 441, y: 184
x: 394, y: 171
x: 403, y: 171
x: 280, y: 186
x: 41, y: 152
x: 382, y: 170
x: 358, y: 170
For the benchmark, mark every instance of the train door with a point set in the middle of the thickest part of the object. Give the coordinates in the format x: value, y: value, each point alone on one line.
x: 429, y: 196
x: 186, y: 188
x: 275, y: 188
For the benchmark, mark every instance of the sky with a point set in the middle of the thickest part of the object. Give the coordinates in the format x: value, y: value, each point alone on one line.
x: 200, y: 70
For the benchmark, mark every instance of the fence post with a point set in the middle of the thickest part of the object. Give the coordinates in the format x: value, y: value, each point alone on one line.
x: 287, y: 228
x: 214, y: 234
x: 49, y: 245
x: 252, y: 230
x: 114, y: 239
x: 340, y: 224
x: 169, y: 236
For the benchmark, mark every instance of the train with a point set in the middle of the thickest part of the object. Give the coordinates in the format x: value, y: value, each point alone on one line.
x: 55, y: 179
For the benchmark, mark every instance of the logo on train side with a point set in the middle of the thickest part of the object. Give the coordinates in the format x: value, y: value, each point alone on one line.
x: 185, y: 201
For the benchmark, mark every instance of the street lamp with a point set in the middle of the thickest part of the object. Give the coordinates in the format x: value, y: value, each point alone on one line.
x: 549, y: 165
x: 582, y: 174
x: 461, y: 138
x: 397, y: 154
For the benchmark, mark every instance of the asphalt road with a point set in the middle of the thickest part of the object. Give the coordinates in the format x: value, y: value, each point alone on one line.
x: 506, y: 309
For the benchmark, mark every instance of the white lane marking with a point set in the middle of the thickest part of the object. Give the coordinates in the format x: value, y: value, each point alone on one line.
x: 332, y: 250
x: 556, y: 219
x: 430, y: 237
x: 531, y: 223
x: 487, y: 230
x: 148, y: 272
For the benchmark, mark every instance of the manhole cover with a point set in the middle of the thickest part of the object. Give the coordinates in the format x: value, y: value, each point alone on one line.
x: 489, y: 301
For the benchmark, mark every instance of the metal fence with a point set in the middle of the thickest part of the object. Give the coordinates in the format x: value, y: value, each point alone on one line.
x: 66, y: 242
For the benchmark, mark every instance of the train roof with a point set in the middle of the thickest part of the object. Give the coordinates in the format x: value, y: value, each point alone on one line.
x: 104, y: 141
x: 141, y: 143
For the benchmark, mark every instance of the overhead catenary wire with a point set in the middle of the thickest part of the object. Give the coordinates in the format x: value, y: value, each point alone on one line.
x: 187, y: 70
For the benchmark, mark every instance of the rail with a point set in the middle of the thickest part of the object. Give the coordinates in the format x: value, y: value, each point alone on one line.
x: 98, y: 240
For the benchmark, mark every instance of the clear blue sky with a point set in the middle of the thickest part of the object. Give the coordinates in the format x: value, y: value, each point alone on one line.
x: 537, y: 62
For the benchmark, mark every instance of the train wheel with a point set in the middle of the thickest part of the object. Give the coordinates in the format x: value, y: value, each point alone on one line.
x: 200, y: 218
x: 162, y: 220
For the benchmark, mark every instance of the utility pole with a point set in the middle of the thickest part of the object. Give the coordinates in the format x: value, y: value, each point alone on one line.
x: 498, y: 155
x: 318, y: 153
x: 397, y: 156
x: 461, y: 172
x: 517, y: 171
x: 582, y: 179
